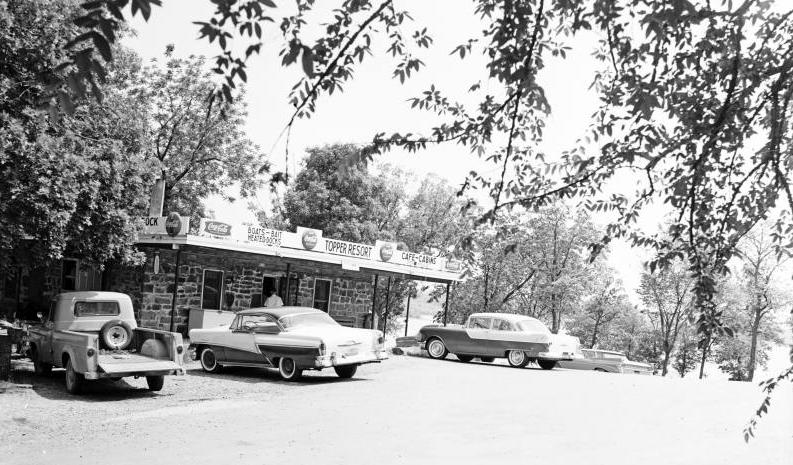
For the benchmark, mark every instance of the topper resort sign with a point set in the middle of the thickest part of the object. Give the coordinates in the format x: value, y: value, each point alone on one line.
x: 269, y: 240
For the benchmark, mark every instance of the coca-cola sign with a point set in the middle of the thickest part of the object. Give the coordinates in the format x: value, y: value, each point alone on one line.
x: 309, y: 239
x: 386, y: 252
x: 216, y: 228
x: 173, y: 224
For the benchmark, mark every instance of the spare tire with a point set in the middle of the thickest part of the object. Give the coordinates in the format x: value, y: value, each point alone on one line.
x: 154, y: 349
x: 116, y: 335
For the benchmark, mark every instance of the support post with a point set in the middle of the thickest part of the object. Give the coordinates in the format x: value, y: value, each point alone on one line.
x: 288, y: 282
x: 446, y: 305
x: 374, y: 300
x: 175, y: 283
x: 407, y: 311
x: 387, y: 301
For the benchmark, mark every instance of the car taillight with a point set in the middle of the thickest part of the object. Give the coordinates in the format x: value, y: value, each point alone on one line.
x: 179, y: 349
x: 90, y: 352
x: 380, y: 339
x: 322, y: 348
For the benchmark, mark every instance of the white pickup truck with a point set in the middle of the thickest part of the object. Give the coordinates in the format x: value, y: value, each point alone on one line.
x: 94, y: 335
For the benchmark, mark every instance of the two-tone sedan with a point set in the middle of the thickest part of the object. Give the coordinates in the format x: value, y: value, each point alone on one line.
x: 291, y: 339
x: 487, y: 336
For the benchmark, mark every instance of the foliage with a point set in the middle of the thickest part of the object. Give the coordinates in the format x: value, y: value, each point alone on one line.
x: 348, y: 204
x: 76, y: 186
x: 198, y: 147
x: 532, y: 264
x: 600, y: 310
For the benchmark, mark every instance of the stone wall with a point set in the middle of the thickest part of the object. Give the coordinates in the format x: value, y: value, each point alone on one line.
x: 243, y: 278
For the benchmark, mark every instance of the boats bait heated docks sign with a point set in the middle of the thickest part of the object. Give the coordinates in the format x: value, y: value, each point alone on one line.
x: 303, y: 239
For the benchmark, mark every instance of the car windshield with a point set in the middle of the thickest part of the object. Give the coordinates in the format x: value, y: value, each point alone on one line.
x: 308, y: 319
x: 532, y: 326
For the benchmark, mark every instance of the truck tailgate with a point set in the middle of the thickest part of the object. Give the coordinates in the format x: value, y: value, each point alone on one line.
x: 133, y: 363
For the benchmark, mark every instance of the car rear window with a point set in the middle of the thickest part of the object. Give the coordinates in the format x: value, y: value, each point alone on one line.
x: 96, y: 309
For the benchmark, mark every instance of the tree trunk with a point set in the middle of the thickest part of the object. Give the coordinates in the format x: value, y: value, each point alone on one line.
x: 753, y: 348
x: 704, y: 357
x: 594, y: 335
x: 667, y: 349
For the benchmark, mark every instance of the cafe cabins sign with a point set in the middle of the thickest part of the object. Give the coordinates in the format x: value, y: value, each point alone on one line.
x: 303, y: 238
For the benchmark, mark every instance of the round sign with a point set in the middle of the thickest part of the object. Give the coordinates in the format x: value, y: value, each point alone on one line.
x: 386, y: 252
x: 309, y: 239
x: 173, y: 224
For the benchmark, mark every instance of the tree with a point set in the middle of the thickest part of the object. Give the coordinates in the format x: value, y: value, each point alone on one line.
x: 75, y: 185
x: 760, y: 265
x: 198, y: 147
x: 606, y: 303
x: 349, y: 204
x: 666, y: 296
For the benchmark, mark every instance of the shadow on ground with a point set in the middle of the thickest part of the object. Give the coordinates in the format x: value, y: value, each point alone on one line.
x: 53, y: 385
x: 271, y: 376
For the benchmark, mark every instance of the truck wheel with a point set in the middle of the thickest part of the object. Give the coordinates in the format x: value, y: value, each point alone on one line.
x: 464, y: 358
x: 346, y: 371
x: 74, y: 380
x: 208, y: 361
x: 517, y: 358
x: 288, y: 369
x: 487, y: 359
x: 116, y: 334
x: 155, y: 382
x: 436, y: 348
x: 39, y: 367
x: 547, y: 364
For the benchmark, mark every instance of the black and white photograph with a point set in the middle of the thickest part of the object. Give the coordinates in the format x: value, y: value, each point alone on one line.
x: 396, y: 232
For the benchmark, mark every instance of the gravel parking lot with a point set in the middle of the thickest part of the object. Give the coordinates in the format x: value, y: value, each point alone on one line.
x: 406, y: 410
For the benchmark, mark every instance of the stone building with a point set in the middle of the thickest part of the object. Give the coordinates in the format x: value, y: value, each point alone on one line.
x: 209, y: 272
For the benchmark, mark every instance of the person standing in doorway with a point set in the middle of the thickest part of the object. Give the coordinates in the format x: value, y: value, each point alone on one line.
x: 273, y: 300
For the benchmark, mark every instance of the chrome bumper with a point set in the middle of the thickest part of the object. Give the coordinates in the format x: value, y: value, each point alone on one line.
x: 335, y: 359
x: 558, y: 356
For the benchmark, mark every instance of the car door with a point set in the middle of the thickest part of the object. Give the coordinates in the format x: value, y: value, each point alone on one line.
x: 240, y: 342
x: 502, y: 336
x: 478, y: 332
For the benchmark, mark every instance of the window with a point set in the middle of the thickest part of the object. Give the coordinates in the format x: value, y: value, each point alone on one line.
x: 479, y: 322
x: 69, y: 275
x: 96, y: 308
x: 212, y: 290
x: 502, y: 325
x: 252, y: 322
x: 533, y: 326
x: 321, y: 294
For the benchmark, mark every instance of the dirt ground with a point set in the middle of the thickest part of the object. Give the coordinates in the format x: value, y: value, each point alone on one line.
x: 407, y: 410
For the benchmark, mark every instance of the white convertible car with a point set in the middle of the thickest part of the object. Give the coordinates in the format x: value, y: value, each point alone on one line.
x: 291, y: 339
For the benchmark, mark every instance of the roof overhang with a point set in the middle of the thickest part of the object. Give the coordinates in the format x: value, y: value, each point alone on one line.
x: 350, y: 264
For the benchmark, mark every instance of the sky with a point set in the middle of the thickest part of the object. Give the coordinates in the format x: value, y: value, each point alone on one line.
x: 373, y: 102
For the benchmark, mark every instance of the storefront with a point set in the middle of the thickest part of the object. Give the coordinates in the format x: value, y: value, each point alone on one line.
x: 221, y: 268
